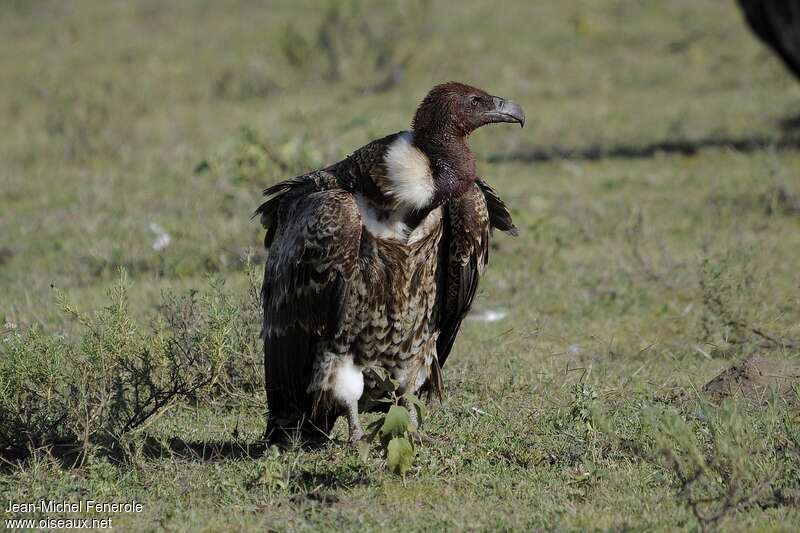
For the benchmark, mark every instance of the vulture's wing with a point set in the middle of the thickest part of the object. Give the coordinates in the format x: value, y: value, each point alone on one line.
x: 777, y: 23
x: 464, y: 257
x: 499, y: 217
x: 313, y: 239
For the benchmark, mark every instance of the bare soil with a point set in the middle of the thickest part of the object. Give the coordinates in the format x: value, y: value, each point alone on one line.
x: 756, y: 378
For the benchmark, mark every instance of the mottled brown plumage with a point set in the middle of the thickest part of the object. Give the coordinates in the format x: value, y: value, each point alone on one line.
x: 373, y: 264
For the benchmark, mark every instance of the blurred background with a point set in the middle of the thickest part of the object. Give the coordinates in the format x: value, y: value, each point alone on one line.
x: 139, y: 134
x: 656, y: 186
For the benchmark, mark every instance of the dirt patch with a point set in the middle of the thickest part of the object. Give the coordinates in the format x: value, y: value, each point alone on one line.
x: 756, y: 378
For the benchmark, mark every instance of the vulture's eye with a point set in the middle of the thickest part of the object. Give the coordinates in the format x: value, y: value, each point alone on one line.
x: 474, y: 100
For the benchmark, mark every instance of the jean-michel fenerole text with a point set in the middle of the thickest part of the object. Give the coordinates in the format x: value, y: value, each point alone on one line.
x: 80, y: 506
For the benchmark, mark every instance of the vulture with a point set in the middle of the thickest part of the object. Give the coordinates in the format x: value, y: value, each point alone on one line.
x: 777, y: 23
x: 373, y: 263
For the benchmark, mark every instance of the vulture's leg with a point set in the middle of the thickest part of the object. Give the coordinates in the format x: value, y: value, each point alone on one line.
x: 419, y: 436
x: 348, y: 386
x: 412, y: 414
x: 356, y: 433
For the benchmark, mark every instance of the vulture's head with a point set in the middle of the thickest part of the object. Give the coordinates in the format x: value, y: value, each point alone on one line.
x: 458, y: 109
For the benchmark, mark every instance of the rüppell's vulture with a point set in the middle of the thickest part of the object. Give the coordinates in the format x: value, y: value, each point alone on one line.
x: 373, y: 263
x: 777, y: 23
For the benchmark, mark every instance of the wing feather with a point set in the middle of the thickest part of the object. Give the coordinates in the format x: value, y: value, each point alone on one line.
x: 499, y: 217
x: 465, y: 255
x: 313, y: 241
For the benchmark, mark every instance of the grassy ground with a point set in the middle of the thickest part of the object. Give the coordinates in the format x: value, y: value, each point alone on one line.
x: 656, y: 187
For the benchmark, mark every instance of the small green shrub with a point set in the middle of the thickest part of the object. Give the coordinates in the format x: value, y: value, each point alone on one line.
x: 720, y: 462
x: 396, y: 433
x: 113, y: 379
x: 730, y: 320
x: 33, y: 377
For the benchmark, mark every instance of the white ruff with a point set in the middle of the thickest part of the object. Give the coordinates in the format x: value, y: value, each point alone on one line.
x: 348, y: 383
x: 409, y: 173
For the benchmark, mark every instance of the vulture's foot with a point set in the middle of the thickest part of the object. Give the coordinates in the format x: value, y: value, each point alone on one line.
x: 418, y: 436
x: 422, y: 438
x: 356, y: 433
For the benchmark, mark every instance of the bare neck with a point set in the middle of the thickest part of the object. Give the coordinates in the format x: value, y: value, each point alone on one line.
x: 452, y: 162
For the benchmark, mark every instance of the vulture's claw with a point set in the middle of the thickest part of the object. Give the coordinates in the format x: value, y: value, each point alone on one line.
x: 421, y: 438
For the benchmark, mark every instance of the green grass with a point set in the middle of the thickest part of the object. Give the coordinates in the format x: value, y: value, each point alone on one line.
x: 655, y: 186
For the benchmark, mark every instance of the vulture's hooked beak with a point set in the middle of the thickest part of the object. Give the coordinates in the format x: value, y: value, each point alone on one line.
x: 506, y: 111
